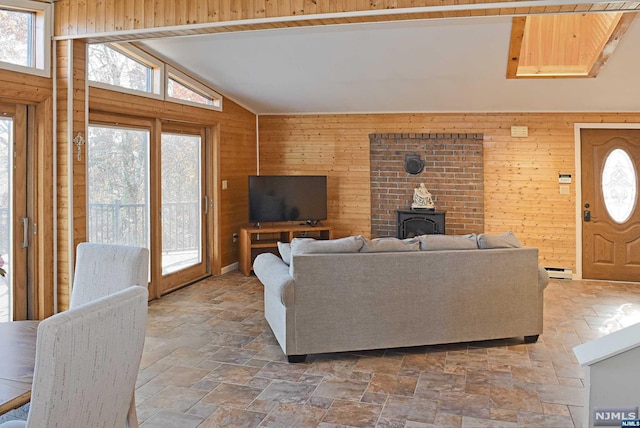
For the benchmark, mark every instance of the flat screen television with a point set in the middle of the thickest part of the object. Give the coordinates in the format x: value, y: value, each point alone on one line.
x: 280, y: 198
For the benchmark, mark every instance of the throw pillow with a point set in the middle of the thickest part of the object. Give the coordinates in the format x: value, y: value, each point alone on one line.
x: 350, y: 244
x: 284, y: 248
x: 448, y: 242
x: 390, y: 245
x: 505, y: 240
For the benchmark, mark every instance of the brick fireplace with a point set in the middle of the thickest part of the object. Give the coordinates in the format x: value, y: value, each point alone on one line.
x: 453, y: 173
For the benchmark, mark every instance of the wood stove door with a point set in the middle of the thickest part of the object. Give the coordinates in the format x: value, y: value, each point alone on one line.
x: 416, y: 223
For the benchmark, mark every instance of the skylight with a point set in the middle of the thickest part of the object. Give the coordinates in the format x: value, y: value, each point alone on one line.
x: 571, y: 45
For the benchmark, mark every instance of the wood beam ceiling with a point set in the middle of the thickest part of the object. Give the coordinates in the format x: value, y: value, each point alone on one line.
x: 129, y: 20
x: 548, y: 40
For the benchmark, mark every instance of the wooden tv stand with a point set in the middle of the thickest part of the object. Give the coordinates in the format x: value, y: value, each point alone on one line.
x: 257, y: 240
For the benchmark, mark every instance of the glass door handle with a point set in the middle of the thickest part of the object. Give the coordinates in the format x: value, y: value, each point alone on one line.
x: 25, y: 232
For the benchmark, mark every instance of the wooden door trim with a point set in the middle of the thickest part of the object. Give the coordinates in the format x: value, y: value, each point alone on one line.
x: 578, y: 127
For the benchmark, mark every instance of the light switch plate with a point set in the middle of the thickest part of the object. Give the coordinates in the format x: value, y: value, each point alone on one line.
x: 564, y: 178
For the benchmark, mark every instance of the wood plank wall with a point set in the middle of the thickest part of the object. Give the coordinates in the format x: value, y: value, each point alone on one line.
x: 79, y: 127
x: 63, y: 171
x: 44, y: 202
x: 71, y: 121
x: 520, y: 174
x: 237, y: 151
x: 81, y: 17
x: 36, y: 91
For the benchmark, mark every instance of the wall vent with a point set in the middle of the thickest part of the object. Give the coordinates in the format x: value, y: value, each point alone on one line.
x: 520, y: 131
x: 559, y: 273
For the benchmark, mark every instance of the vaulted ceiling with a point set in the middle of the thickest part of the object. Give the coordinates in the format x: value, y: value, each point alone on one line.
x: 435, y: 65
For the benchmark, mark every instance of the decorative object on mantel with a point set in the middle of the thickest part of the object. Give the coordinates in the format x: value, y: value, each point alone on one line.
x: 413, y: 164
x: 422, y: 199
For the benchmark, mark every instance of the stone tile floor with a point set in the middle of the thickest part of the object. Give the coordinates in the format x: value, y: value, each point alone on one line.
x: 211, y: 360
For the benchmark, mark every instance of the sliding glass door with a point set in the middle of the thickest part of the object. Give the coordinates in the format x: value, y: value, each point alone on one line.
x: 184, y: 204
x: 146, y: 187
x: 14, y: 222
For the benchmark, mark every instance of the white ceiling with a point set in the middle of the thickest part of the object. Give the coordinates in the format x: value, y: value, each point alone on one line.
x: 454, y: 65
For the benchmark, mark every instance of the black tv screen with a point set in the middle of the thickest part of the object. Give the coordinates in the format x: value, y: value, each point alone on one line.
x: 278, y: 198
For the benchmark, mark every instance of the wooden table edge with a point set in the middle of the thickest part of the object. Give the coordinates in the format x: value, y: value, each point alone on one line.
x: 19, y: 401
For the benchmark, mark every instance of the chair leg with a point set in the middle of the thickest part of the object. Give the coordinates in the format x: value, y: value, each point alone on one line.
x: 132, y: 416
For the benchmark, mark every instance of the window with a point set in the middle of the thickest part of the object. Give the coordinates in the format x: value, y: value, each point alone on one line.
x: 107, y: 65
x: 125, y: 67
x: 186, y: 89
x: 177, y: 90
x: 25, y: 30
x: 16, y: 35
x: 619, y: 185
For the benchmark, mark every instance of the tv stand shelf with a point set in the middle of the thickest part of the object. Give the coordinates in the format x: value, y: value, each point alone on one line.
x: 257, y: 240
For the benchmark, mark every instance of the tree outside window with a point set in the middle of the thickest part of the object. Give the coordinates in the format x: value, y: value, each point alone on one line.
x: 16, y: 37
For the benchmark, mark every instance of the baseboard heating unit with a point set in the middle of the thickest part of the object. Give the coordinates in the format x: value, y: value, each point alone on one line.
x: 559, y: 273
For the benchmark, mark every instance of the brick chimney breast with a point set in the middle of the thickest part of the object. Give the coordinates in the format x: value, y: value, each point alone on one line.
x: 453, y: 173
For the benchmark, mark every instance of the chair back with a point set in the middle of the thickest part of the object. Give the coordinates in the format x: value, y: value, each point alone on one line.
x: 102, y: 269
x: 87, y: 362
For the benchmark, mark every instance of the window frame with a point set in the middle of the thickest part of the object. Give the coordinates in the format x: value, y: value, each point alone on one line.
x: 42, y: 34
x: 140, y: 56
x: 194, y: 85
x: 162, y: 71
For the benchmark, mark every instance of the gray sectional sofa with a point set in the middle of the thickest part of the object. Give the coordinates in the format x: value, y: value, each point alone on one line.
x: 354, y: 294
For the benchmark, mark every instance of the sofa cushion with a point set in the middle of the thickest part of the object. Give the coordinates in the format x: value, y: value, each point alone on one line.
x: 390, y: 245
x: 284, y: 248
x: 448, y: 242
x: 505, y: 240
x: 350, y: 244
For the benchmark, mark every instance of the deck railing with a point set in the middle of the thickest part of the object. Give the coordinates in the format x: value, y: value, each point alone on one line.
x: 126, y: 224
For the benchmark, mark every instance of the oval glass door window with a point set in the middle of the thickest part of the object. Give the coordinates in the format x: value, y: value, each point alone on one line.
x: 619, y: 185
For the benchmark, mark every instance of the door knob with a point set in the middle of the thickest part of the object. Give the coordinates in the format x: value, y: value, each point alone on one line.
x: 586, y: 215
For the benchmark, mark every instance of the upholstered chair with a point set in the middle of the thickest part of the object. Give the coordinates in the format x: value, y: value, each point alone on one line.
x: 87, y: 362
x: 102, y: 269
